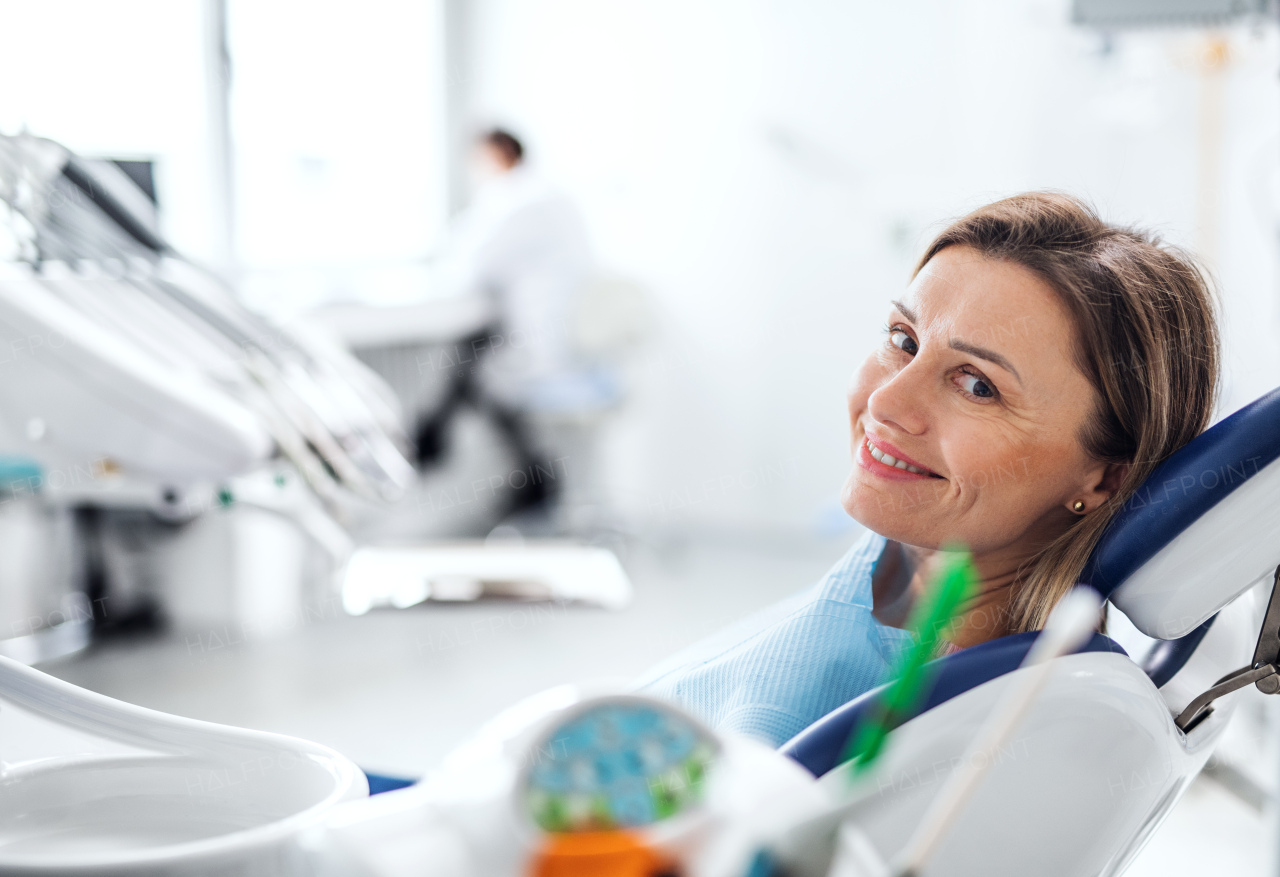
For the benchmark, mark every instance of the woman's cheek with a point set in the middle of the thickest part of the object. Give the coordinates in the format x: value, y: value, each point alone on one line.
x: 1000, y: 484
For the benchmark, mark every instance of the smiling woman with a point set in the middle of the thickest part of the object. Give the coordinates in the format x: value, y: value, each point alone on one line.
x: 1040, y: 364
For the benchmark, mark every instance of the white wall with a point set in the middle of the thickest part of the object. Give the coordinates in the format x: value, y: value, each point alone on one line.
x: 771, y: 169
x: 337, y: 116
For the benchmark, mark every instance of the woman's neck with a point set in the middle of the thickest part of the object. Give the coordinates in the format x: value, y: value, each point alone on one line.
x: 903, y: 572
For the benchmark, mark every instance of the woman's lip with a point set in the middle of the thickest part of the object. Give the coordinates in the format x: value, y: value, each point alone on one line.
x: 897, y: 455
x: 864, y: 460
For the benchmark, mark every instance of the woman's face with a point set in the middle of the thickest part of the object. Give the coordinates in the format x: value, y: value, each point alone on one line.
x: 974, y: 386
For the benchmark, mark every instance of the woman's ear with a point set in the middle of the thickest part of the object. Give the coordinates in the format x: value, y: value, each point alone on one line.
x: 1113, y: 475
x: 1106, y: 481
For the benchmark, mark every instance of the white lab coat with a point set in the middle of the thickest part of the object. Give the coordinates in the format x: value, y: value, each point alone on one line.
x: 522, y: 243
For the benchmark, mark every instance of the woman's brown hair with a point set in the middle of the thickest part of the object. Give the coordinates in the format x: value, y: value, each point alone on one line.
x: 1146, y: 338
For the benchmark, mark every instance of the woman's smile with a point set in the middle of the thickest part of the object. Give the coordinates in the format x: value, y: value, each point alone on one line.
x: 883, y: 459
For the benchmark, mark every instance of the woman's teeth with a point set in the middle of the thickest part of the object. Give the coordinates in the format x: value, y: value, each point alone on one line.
x: 888, y: 460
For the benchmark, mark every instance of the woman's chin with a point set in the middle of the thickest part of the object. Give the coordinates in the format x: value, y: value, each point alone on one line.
x: 918, y: 525
x: 865, y: 507
x: 880, y: 514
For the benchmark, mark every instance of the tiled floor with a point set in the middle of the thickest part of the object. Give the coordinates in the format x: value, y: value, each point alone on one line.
x: 395, y: 690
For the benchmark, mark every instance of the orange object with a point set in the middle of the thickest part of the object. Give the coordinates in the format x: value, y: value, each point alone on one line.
x: 601, y: 854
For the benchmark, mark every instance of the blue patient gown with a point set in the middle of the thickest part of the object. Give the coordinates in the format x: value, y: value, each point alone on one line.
x: 778, y: 671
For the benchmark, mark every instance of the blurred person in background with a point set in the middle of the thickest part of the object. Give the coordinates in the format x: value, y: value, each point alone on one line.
x: 522, y: 244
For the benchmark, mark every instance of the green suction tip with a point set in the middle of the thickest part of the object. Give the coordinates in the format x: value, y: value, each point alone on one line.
x: 932, y: 619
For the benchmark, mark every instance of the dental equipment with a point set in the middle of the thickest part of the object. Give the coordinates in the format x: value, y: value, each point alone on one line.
x: 127, y: 358
x: 155, y: 365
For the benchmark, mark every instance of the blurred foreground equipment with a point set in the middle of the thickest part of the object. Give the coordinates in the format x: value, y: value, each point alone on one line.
x: 205, y: 450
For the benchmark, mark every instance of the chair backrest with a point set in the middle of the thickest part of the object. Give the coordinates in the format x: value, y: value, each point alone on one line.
x: 1201, y: 530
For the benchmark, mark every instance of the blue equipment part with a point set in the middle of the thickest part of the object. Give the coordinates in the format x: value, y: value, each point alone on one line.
x: 20, y: 475
x: 379, y: 783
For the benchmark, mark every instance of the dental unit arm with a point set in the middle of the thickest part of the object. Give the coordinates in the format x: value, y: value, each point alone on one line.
x: 139, y: 357
x: 1263, y: 672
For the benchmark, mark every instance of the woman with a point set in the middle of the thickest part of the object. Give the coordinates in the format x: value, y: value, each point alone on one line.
x: 1038, y: 367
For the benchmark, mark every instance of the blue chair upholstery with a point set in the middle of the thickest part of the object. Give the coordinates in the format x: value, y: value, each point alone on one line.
x: 1192, y: 480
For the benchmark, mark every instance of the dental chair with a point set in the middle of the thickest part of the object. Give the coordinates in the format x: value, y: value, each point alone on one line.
x: 615, y: 783
x: 1113, y: 741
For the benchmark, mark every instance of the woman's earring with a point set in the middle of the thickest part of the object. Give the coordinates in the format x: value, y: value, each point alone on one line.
x: 1078, y: 506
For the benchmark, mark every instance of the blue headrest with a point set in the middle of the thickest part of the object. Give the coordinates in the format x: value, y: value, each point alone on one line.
x: 1202, y: 528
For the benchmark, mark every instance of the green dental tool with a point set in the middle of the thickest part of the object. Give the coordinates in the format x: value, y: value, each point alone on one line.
x: 932, y: 619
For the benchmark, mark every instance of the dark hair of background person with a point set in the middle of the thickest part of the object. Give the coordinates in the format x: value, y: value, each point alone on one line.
x: 506, y: 144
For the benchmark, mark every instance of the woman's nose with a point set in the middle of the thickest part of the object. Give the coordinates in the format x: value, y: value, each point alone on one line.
x: 900, y: 400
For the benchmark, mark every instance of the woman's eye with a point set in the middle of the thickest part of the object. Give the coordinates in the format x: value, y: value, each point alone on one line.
x: 903, y: 341
x: 976, y: 386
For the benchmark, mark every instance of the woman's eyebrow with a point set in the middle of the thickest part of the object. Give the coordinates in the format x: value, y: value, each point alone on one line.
x: 964, y: 346
x: 984, y: 353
